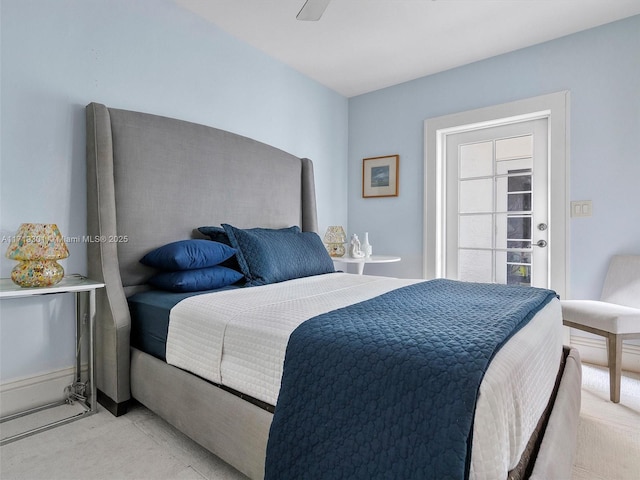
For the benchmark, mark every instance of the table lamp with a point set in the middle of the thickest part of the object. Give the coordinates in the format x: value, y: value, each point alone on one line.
x: 334, y: 240
x: 37, y: 246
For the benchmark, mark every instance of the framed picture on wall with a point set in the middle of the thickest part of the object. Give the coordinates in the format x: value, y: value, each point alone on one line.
x: 380, y: 176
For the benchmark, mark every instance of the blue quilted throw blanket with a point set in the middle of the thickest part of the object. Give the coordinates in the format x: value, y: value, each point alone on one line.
x: 386, y: 388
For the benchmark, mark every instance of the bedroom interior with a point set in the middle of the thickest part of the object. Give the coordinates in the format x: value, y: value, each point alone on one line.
x: 208, y: 97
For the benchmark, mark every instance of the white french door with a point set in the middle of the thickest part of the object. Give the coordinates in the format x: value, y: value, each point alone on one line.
x: 445, y: 226
x: 497, y: 204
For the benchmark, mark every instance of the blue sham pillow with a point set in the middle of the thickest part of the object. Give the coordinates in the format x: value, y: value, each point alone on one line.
x: 196, y: 280
x: 218, y: 234
x: 269, y: 256
x: 188, y: 255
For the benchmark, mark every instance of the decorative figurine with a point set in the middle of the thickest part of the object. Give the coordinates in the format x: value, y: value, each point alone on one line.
x: 355, y: 250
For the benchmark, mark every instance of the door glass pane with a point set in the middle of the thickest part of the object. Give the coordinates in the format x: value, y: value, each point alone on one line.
x: 519, y: 202
x: 518, y: 274
x: 515, y: 147
x: 475, y: 231
x: 474, y: 265
x: 476, y: 196
x: 518, y: 228
x: 476, y: 160
x: 519, y: 183
x: 519, y: 257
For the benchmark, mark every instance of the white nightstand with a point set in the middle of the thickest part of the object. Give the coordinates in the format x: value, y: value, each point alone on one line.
x: 361, y: 262
x: 82, y: 392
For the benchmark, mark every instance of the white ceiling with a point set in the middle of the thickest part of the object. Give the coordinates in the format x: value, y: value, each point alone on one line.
x: 363, y: 45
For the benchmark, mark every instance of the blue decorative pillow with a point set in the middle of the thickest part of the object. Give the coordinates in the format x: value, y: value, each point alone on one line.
x: 269, y: 256
x: 188, y: 255
x: 217, y: 234
x: 196, y: 280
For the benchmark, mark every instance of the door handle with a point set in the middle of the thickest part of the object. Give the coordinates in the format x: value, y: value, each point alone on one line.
x: 541, y: 243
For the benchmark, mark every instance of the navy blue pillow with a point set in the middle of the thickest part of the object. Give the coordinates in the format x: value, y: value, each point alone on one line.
x: 217, y: 234
x: 187, y: 255
x: 268, y: 256
x: 196, y: 280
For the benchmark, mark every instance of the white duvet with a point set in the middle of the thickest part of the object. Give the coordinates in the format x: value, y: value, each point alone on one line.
x: 238, y: 338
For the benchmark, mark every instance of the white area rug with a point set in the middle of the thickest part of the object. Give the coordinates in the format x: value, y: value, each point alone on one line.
x: 608, y: 434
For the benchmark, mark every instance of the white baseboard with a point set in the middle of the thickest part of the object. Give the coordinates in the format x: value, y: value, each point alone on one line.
x: 594, y: 350
x: 19, y: 395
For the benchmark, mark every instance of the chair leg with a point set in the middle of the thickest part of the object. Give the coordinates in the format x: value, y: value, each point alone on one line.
x: 614, y: 353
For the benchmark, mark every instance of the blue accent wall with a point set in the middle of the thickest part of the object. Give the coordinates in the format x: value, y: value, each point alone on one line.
x: 146, y: 55
x: 601, y: 69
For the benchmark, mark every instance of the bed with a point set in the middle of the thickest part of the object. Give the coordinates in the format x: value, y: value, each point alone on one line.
x: 152, y: 181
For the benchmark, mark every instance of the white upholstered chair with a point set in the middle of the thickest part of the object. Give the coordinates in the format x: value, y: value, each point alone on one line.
x: 616, y: 316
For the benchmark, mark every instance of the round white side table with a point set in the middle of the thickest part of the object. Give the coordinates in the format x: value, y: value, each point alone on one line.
x: 361, y: 262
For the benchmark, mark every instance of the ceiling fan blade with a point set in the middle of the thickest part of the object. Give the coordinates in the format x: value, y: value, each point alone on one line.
x: 312, y: 10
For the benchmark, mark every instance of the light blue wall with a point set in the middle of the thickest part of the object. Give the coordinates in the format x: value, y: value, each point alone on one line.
x: 150, y: 55
x: 145, y: 55
x: 600, y: 67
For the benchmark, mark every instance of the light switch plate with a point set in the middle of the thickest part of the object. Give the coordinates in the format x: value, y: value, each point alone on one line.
x: 581, y: 208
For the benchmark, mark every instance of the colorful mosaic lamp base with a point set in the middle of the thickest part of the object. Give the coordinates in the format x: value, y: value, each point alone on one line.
x: 334, y: 240
x: 37, y: 273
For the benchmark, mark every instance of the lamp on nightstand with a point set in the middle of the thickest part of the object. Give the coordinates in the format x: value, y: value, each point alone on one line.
x: 334, y: 240
x: 37, y: 246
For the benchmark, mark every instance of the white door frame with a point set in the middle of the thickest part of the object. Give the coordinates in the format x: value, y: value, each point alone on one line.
x: 553, y: 106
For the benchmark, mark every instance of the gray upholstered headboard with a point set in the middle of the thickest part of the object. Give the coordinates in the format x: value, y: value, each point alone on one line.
x: 152, y: 180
